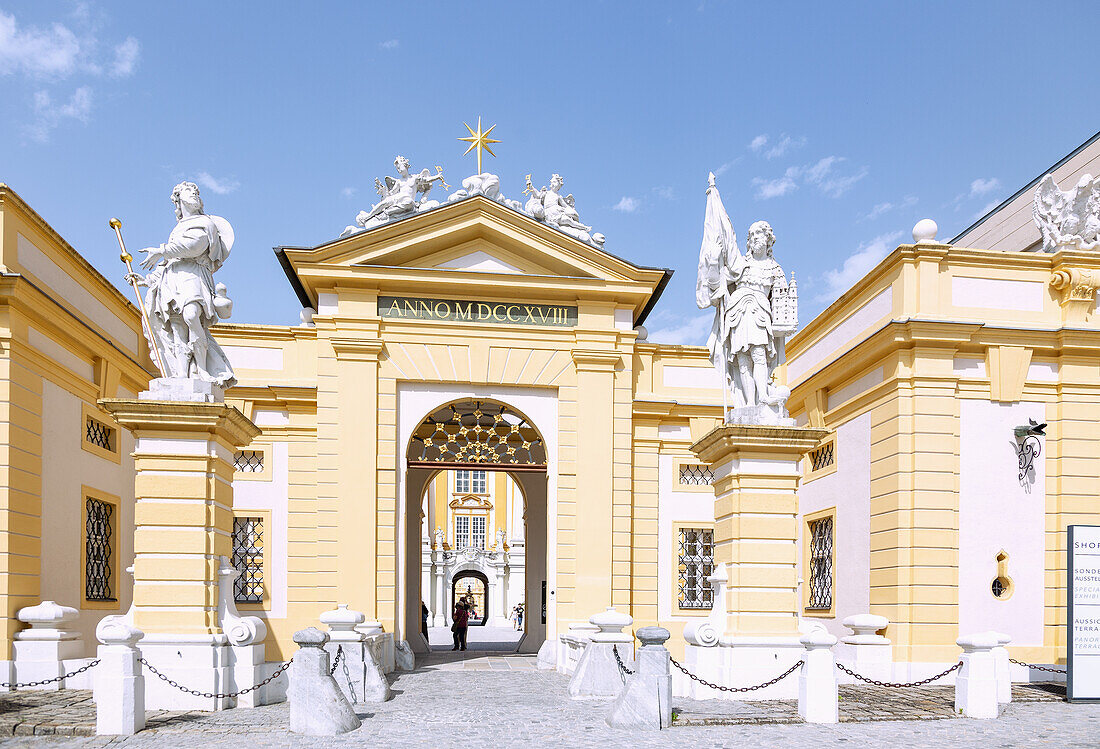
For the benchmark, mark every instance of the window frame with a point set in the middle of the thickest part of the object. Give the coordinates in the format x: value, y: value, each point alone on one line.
x: 261, y: 475
x: 808, y: 472
x: 807, y: 564
x: 678, y: 466
x: 265, y: 518
x: 91, y: 412
x: 86, y: 493
x: 675, y: 581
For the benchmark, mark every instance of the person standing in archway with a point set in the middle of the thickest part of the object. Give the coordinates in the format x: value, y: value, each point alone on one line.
x: 461, y: 619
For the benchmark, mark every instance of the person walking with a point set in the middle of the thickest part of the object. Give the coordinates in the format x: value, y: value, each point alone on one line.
x: 461, y: 619
x: 519, y: 616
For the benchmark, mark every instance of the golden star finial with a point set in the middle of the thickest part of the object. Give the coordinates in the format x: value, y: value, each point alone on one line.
x: 480, y: 141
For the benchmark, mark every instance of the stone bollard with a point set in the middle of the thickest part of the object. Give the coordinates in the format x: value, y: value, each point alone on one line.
x: 119, y: 685
x: 363, y: 680
x: 976, y: 684
x: 817, y: 698
x: 1002, y: 668
x: 317, y: 706
x: 864, y: 651
x: 646, y: 702
x: 41, y: 652
x: 597, y: 673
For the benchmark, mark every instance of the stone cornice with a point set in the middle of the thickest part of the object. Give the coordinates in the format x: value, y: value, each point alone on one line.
x: 148, y: 416
x: 357, y: 349
x: 587, y: 360
x: 729, y: 439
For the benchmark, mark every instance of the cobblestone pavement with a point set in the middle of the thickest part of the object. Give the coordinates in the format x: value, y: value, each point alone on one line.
x: 442, y: 706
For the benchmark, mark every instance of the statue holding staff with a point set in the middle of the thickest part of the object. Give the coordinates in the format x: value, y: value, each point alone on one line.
x: 182, y: 300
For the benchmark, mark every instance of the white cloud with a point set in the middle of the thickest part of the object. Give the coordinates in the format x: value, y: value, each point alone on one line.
x: 665, y: 192
x: 216, y: 185
x: 839, y: 280
x: 682, y: 329
x: 627, y: 205
x: 776, y: 188
x: 49, y: 115
x: 726, y: 167
x: 126, y: 57
x: 883, y: 208
x: 982, y: 186
x: 988, y: 207
x: 347, y: 192
x: 786, y: 143
x: 834, y: 187
x: 758, y: 142
x: 36, y: 52
x: 390, y: 44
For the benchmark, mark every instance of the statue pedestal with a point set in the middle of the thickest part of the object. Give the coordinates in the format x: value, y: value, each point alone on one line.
x: 183, y: 459
x: 757, y: 470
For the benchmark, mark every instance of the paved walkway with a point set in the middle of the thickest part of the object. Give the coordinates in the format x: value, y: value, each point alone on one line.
x: 505, y: 702
x: 502, y: 639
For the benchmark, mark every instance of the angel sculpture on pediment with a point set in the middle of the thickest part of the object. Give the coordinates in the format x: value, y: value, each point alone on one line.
x: 400, y: 196
x: 550, y: 207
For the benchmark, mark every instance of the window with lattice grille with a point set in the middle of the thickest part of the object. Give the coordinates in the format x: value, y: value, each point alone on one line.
x: 823, y: 457
x: 821, y: 564
x: 98, y: 532
x: 99, y: 434
x: 248, y: 559
x: 477, y: 531
x: 696, y: 475
x: 248, y: 461
x: 462, y: 531
x: 695, y: 563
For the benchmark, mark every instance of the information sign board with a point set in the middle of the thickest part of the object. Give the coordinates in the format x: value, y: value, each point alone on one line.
x: 1083, y: 615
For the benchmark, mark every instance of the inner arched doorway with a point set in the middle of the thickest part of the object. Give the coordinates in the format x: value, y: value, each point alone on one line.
x: 489, y: 437
x: 473, y: 588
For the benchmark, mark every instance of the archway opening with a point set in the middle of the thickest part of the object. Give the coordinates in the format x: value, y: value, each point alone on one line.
x: 476, y: 469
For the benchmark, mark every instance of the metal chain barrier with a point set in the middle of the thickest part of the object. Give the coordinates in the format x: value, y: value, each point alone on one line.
x: 215, y: 695
x: 623, y: 670
x: 347, y: 673
x: 706, y: 683
x: 896, y: 684
x: 1037, y: 668
x: 337, y: 659
x: 21, y: 685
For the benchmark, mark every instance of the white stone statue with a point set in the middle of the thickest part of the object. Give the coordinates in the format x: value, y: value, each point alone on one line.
x: 500, y: 539
x: 486, y: 184
x: 755, y: 311
x: 548, y: 206
x: 400, y: 197
x: 438, y: 538
x: 183, y: 301
x: 1068, y: 219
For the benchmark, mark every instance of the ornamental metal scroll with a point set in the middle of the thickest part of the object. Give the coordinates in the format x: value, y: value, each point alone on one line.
x: 481, y: 433
x: 1027, y: 450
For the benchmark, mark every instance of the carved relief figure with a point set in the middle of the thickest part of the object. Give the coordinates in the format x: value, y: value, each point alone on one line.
x: 755, y: 310
x: 183, y: 301
x: 1068, y: 219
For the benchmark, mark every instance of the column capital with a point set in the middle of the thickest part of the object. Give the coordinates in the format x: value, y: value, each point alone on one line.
x: 357, y: 349
x: 587, y: 360
x: 776, y: 441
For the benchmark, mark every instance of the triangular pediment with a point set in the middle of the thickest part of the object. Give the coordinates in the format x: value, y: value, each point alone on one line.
x: 469, y: 243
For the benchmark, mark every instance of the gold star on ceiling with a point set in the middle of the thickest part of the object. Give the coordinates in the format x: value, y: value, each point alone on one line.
x: 479, y: 140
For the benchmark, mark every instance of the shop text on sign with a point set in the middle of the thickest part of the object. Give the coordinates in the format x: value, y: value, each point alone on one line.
x: 456, y: 310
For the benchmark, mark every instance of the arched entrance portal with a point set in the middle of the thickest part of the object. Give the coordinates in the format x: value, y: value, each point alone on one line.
x: 467, y: 440
x: 473, y: 588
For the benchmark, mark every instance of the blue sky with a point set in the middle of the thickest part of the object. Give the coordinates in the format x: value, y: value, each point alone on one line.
x: 840, y: 123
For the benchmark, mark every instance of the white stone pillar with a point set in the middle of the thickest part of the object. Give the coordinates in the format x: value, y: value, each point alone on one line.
x: 317, y: 706
x: 1002, y: 668
x: 119, y: 685
x: 41, y: 651
x: 500, y: 616
x: 359, y: 674
x: 976, y: 684
x: 597, y: 672
x: 646, y: 700
x: 817, y: 698
x: 442, y: 614
x: 865, y: 652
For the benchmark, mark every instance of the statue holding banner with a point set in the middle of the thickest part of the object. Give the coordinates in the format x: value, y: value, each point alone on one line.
x: 755, y: 309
